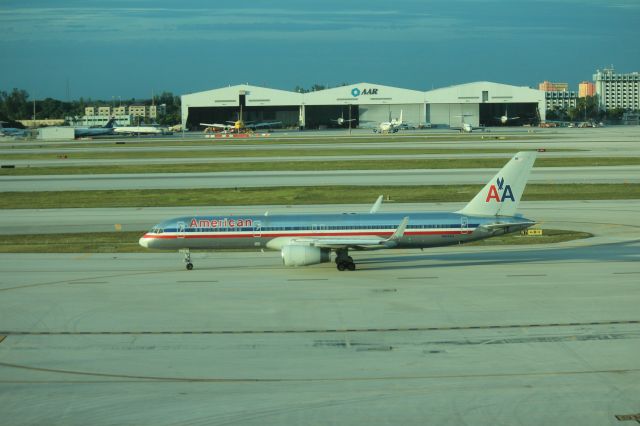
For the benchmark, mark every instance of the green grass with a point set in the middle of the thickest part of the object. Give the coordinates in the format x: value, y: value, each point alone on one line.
x: 316, y: 165
x: 301, y: 195
x: 127, y: 242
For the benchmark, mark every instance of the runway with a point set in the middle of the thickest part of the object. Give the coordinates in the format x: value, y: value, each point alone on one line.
x: 476, y: 335
x: 249, y: 179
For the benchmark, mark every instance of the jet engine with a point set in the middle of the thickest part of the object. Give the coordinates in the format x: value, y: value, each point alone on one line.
x: 299, y: 255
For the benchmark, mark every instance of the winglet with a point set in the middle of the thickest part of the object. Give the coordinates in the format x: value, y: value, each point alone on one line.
x: 376, y: 205
x: 400, y: 231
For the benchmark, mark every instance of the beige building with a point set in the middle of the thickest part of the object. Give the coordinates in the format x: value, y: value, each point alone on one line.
x: 617, y: 90
x: 548, y: 86
x: 90, y: 111
x: 104, y: 111
x: 121, y: 110
x: 586, y: 88
x: 138, y: 110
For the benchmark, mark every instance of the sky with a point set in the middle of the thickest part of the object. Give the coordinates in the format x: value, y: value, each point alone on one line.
x: 114, y: 49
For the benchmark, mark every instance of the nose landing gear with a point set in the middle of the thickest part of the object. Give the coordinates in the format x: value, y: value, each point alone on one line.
x: 187, y: 259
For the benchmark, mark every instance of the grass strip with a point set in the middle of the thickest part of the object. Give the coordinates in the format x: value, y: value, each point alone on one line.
x: 127, y: 242
x: 381, y: 164
x: 301, y: 195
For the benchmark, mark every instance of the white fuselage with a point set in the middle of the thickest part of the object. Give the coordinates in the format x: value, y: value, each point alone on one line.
x: 138, y: 130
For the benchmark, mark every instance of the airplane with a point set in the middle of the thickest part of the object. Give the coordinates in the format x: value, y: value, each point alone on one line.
x: 309, y: 239
x: 465, y: 127
x: 11, y: 131
x: 391, y: 126
x: 341, y: 120
x: 239, y: 126
x: 140, y: 130
x: 107, y: 129
x: 504, y: 119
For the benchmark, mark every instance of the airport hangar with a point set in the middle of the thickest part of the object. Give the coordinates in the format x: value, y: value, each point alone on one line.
x: 481, y: 103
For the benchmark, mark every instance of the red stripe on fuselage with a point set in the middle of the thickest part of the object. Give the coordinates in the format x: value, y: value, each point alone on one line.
x: 276, y: 235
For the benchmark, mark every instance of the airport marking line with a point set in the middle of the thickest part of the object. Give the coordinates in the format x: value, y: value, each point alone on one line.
x: 319, y: 330
x: 297, y: 380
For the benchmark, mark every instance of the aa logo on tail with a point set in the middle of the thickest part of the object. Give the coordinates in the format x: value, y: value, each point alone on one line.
x: 500, y: 192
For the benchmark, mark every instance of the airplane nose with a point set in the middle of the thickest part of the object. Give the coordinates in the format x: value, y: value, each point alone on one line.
x: 144, y: 242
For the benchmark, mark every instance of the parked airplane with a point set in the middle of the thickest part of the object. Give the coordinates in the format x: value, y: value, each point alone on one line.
x: 391, y: 126
x: 140, y: 130
x: 11, y: 131
x: 465, y: 127
x: 107, y: 129
x: 504, y: 119
x: 239, y: 126
x: 308, y: 239
x: 341, y: 120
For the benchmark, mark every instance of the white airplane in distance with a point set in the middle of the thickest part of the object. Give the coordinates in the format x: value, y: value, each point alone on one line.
x: 341, y: 120
x: 140, y: 130
x: 11, y: 131
x: 391, y: 126
x: 465, y: 127
x: 309, y: 239
x: 504, y: 119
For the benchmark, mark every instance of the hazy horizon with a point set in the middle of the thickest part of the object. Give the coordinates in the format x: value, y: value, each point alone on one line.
x: 131, y: 49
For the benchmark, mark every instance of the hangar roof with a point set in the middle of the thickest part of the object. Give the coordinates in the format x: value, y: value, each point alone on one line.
x: 365, y: 94
x: 473, y: 93
x: 254, y: 96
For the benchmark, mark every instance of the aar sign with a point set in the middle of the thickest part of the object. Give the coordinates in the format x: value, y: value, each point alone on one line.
x: 355, y: 92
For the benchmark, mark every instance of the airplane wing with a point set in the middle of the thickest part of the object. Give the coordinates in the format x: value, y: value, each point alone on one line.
x: 217, y: 125
x: 365, y: 242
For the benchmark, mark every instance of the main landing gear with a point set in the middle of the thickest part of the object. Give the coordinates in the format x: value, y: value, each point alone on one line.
x: 187, y: 259
x: 344, y: 261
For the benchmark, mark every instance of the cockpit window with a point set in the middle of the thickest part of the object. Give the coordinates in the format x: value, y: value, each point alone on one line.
x: 157, y: 230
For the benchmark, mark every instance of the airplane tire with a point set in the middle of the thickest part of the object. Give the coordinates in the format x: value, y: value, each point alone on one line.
x: 341, y: 266
x: 189, y: 266
x: 351, y: 266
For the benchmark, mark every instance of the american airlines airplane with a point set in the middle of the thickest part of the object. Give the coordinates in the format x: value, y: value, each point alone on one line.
x: 309, y: 239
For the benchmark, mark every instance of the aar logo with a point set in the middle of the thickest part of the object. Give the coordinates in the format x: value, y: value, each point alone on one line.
x: 355, y: 92
x: 500, y: 192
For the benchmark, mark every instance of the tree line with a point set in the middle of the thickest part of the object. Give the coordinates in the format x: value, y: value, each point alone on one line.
x: 586, y: 109
x: 16, y: 105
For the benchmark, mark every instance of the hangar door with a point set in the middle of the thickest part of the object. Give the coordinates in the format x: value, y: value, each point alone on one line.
x: 411, y: 113
x: 445, y: 115
x: 527, y: 113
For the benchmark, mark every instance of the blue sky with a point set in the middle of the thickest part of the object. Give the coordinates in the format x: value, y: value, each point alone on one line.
x: 128, y: 49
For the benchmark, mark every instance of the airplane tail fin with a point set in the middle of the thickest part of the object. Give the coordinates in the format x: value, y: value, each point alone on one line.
x: 500, y: 197
x: 110, y: 123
